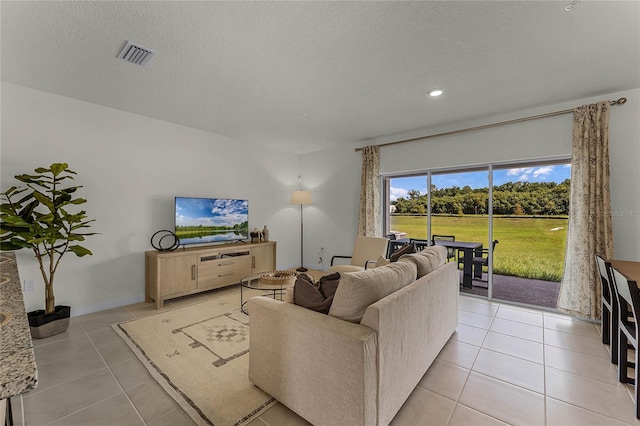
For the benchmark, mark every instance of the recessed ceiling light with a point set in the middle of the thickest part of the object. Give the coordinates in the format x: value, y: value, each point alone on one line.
x: 435, y: 92
x: 571, y: 6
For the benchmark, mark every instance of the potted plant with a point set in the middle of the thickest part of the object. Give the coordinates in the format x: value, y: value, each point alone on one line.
x: 36, y: 218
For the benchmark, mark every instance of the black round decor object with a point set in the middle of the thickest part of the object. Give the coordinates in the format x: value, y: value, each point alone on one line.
x: 165, y: 240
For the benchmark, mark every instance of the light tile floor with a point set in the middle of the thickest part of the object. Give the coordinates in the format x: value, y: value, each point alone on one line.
x: 504, y: 365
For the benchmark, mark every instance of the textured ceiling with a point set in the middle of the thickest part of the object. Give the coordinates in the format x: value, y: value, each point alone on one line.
x: 304, y: 76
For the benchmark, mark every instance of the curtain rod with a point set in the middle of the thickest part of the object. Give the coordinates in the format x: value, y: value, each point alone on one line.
x: 620, y: 101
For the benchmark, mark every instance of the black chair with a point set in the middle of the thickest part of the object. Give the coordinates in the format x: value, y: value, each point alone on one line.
x: 394, y: 245
x: 419, y: 244
x: 480, y: 259
x: 609, y: 308
x: 628, y: 309
x: 451, y: 252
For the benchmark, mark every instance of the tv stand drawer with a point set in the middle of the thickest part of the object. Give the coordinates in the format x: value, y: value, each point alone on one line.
x: 218, y: 266
x: 222, y: 279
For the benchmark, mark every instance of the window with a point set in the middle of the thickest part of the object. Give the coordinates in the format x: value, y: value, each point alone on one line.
x: 522, y: 206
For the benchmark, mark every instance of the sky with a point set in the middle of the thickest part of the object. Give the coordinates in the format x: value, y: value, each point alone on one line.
x: 210, y: 212
x: 556, y: 173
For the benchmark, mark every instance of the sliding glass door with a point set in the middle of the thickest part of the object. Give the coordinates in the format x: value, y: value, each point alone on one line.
x: 514, y: 215
x: 530, y: 218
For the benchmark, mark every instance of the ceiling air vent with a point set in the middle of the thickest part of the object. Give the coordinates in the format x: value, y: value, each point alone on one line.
x: 136, y: 54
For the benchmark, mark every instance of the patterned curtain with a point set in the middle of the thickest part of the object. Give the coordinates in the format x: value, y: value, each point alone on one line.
x: 590, y: 231
x: 370, y: 209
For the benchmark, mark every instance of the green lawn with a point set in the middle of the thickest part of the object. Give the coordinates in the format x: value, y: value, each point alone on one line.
x: 528, y: 247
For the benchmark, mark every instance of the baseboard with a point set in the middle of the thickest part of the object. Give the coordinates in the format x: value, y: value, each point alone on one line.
x: 104, y: 306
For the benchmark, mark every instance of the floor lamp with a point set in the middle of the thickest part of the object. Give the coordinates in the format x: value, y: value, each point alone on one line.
x: 301, y: 197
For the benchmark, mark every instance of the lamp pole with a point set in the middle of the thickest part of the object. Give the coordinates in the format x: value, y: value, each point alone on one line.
x: 301, y: 268
x: 301, y: 197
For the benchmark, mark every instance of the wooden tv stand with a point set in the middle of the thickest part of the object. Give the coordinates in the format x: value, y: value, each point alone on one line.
x: 171, y: 274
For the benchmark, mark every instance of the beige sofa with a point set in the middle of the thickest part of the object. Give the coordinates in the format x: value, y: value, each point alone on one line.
x: 352, y: 371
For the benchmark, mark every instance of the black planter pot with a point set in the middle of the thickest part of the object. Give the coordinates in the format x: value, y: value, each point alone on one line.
x: 43, y: 325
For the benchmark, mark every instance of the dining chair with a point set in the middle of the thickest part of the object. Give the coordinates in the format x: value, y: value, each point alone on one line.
x: 451, y: 252
x: 419, y: 244
x: 480, y: 259
x: 628, y: 309
x: 609, y: 308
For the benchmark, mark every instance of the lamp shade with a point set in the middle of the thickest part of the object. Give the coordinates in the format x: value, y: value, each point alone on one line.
x: 300, y: 197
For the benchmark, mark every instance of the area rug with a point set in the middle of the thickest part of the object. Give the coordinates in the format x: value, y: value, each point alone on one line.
x: 199, y: 354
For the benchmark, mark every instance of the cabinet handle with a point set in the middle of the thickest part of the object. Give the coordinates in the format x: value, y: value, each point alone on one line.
x: 225, y: 275
x: 193, y: 272
x: 253, y: 261
x: 225, y: 263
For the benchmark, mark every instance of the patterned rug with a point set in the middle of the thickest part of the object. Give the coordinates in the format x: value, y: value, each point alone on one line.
x: 200, y: 355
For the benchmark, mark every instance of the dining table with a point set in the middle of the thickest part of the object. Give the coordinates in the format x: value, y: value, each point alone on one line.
x: 628, y: 268
x: 468, y: 248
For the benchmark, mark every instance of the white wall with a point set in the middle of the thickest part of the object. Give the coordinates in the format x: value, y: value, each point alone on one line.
x: 131, y: 168
x: 336, y: 228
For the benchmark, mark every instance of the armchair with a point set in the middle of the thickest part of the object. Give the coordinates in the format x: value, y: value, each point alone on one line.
x: 365, y: 249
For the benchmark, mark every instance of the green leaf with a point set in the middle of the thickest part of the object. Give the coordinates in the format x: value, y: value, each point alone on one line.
x: 14, y: 190
x: 43, y: 199
x: 7, y: 246
x: 57, y: 168
x: 14, y: 221
x: 80, y: 251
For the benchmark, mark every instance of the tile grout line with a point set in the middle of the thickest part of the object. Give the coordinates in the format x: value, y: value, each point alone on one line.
x: 466, y: 381
x: 126, y: 395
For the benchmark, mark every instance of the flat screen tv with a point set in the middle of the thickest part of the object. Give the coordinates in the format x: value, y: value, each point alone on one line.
x: 211, y: 220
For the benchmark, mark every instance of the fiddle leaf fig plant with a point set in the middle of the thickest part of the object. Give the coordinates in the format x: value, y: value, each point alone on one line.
x: 36, y: 217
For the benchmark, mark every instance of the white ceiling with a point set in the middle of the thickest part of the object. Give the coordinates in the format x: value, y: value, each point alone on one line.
x: 304, y: 76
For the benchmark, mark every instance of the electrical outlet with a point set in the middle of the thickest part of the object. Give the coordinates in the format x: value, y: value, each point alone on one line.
x: 320, y: 256
x: 30, y: 284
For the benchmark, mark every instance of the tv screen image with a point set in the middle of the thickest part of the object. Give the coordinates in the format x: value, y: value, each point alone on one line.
x: 211, y: 220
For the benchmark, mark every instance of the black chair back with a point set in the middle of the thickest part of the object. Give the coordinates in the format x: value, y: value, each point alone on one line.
x: 609, y: 308
x: 628, y: 309
x: 451, y: 252
x: 419, y: 244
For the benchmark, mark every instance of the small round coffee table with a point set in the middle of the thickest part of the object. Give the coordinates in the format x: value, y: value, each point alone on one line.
x: 255, y: 282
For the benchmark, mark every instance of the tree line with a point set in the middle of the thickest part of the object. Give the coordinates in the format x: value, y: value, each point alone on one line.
x: 200, y: 228
x: 511, y: 198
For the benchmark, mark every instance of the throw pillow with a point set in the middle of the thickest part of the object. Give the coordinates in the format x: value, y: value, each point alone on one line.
x: 329, y: 284
x: 317, y: 297
x: 358, y: 290
x: 405, y: 249
x: 381, y: 261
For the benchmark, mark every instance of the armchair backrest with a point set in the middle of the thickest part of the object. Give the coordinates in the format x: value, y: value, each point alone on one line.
x: 368, y: 248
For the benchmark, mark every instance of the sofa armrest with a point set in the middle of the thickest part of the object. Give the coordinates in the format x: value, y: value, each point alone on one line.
x: 428, y: 313
x: 321, y: 367
x: 338, y: 257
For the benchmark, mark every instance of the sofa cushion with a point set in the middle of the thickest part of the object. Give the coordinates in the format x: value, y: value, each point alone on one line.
x: 315, y: 296
x: 405, y: 249
x: 358, y: 290
x: 427, y: 260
